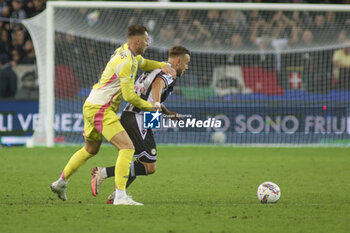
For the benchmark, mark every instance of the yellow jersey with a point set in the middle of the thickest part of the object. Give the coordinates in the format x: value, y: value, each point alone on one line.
x: 117, y: 80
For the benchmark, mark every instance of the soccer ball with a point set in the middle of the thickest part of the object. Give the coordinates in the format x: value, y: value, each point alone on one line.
x: 268, y: 192
x: 218, y: 137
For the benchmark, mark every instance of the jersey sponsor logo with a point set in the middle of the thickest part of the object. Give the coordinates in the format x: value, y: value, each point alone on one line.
x: 140, y: 89
x: 123, y: 54
x: 169, y: 79
x: 152, y: 120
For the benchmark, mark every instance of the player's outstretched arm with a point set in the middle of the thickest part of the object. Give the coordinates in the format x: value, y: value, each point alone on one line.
x: 129, y: 95
x: 149, y: 65
x: 125, y: 74
x: 167, y: 69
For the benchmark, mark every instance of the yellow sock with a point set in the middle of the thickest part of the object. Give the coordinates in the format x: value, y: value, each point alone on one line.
x: 122, y: 168
x: 75, y: 162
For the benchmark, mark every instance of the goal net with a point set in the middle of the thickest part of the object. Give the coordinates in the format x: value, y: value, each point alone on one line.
x: 269, y: 73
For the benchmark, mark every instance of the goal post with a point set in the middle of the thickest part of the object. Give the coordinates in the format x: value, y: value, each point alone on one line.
x: 41, y: 29
x: 261, y: 91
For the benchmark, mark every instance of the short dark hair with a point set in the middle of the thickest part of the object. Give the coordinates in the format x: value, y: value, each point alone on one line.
x: 136, y: 30
x: 178, y: 50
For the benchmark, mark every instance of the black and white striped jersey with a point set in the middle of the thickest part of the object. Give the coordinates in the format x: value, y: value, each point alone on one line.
x: 143, y: 87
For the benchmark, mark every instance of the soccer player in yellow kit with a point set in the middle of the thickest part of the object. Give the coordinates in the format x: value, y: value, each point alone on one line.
x: 101, y: 106
x: 151, y: 86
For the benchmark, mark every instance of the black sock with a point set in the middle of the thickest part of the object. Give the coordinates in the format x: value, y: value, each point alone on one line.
x: 130, y: 180
x: 136, y: 169
x: 110, y: 171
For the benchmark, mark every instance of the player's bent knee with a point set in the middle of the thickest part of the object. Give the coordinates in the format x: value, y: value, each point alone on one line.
x: 92, y: 147
x: 92, y: 151
x: 151, y: 168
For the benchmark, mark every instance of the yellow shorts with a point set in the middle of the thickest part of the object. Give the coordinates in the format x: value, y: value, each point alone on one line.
x: 100, y: 121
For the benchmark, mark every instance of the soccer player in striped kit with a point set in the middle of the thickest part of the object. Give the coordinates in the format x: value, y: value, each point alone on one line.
x: 154, y: 87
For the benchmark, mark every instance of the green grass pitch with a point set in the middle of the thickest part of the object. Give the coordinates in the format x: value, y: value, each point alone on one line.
x: 195, y: 189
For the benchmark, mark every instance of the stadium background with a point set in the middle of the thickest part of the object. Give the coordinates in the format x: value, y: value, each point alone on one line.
x: 285, y: 72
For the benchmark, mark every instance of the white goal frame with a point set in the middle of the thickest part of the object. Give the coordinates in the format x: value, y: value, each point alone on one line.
x: 47, y: 97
